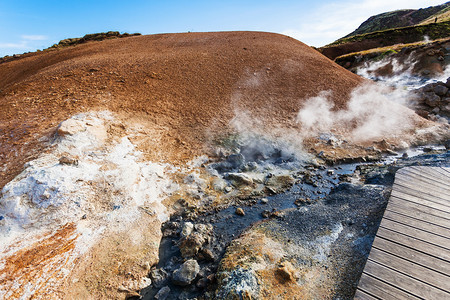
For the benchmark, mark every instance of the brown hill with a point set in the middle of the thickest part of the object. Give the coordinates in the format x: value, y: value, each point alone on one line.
x: 188, y: 84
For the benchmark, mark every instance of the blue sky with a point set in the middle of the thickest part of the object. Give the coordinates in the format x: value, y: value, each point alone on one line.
x: 28, y: 25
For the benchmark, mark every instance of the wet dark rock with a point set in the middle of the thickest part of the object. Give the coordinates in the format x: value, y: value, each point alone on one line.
x: 440, y: 89
x: 187, y: 273
x: 159, y: 277
x: 163, y: 293
x: 206, y: 254
x: 265, y: 213
x: 432, y: 99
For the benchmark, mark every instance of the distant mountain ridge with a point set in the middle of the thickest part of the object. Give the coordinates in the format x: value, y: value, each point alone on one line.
x: 402, y: 18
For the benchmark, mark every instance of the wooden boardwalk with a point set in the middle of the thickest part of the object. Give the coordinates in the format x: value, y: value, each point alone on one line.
x: 410, y: 256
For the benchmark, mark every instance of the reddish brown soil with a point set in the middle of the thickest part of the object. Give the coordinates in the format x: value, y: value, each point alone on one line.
x: 189, y: 83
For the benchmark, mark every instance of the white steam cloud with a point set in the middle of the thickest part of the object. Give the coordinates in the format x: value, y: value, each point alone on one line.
x: 372, y: 112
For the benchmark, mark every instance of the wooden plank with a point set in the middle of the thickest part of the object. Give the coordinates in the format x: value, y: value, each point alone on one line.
x: 441, y: 172
x: 421, y: 192
x: 446, y: 169
x: 433, y: 172
x: 418, y: 206
x: 417, y: 233
x: 430, y: 173
x: 441, y: 183
x: 411, y: 269
x: 424, y: 188
x: 419, y: 214
x: 420, y: 189
x: 360, y: 295
x: 414, y: 243
x: 417, y: 223
x: 381, y: 289
x: 421, y: 258
x: 404, y: 282
x: 410, y: 195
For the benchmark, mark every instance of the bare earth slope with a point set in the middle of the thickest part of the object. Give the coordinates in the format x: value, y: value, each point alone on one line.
x: 189, y: 84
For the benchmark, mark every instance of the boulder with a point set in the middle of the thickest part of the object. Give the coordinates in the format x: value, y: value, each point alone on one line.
x: 190, y: 245
x: 239, y: 179
x: 432, y: 99
x: 440, y: 90
x: 187, y: 273
x: 70, y: 127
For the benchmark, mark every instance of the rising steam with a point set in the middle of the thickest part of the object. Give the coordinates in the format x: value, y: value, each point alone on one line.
x: 372, y: 112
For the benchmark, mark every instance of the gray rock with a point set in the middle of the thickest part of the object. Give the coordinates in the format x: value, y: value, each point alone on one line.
x: 432, y: 99
x: 205, y: 229
x: 163, y: 293
x: 280, y: 182
x: 236, y: 160
x: 187, y: 229
x: 159, y: 277
x: 239, y: 179
x: 447, y: 84
x: 187, y: 273
x: 238, y: 284
x: 190, y: 245
x: 440, y: 90
x: 219, y: 184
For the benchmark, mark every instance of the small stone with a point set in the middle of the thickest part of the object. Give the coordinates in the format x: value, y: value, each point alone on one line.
x: 163, y: 293
x: 68, y: 161
x: 190, y: 245
x: 264, y: 200
x: 187, y: 229
x: 265, y: 214
x: 228, y: 189
x: 240, y: 212
x: 159, y: 277
x: 285, y: 272
x: 187, y: 273
x: 207, y: 254
x: 70, y: 127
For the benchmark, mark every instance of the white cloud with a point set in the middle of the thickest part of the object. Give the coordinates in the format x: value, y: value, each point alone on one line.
x: 21, y: 45
x: 34, y: 37
x: 335, y: 20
